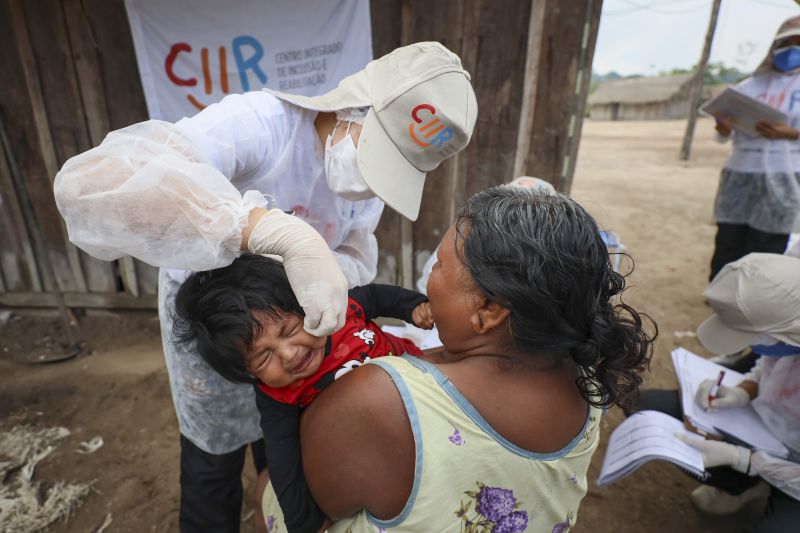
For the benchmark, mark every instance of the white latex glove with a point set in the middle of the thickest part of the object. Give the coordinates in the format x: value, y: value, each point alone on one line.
x: 725, y: 397
x: 315, y: 277
x: 718, y: 453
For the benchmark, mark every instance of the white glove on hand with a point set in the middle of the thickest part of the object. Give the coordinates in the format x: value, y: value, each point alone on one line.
x: 726, y: 396
x: 718, y: 453
x: 315, y: 277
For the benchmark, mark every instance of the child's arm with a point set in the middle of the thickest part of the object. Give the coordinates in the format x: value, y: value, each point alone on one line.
x: 387, y: 301
x: 280, y: 424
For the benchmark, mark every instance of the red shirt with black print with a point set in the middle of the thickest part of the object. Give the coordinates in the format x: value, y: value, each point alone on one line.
x: 356, y: 343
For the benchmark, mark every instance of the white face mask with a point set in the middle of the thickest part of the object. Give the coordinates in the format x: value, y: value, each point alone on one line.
x: 341, y: 169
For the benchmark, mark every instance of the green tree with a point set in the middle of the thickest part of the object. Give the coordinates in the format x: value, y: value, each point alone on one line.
x: 715, y: 73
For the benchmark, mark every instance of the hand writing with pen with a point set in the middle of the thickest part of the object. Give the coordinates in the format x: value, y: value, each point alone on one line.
x: 713, y: 394
x: 710, y: 395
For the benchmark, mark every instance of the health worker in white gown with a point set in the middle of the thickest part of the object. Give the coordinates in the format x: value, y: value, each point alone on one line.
x: 191, y: 195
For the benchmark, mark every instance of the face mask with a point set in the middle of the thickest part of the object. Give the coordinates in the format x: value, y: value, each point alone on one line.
x: 786, y: 59
x: 341, y: 169
x: 779, y: 349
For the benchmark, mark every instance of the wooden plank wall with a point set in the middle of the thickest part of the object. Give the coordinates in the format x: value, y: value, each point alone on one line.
x: 526, y: 58
x: 73, y: 77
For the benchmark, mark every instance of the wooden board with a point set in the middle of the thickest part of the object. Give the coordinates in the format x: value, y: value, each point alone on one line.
x: 53, y: 47
x: 122, y: 99
x: 78, y: 299
x: 385, y: 18
x: 28, y: 133
x: 421, y: 21
x: 549, y: 147
x: 118, y: 72
x: 498, y: 77
x: 586, y: 56
x: 491, y: 41
x: 18, y: 270
x: 147, y: 276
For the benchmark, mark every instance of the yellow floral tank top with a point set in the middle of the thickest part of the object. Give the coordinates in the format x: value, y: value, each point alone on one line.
x: 468, y: 478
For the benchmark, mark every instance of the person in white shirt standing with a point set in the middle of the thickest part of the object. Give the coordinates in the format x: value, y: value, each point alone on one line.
x: 758, y: 200
x: 169, y: 194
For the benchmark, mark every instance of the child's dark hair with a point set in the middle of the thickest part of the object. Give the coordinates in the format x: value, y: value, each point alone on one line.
x: 214, y: 311
x: 542, y: 257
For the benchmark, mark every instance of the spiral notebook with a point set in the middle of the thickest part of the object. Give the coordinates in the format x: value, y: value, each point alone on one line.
x: 647, y: 436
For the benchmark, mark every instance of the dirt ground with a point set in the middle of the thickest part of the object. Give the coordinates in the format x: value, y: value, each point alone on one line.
x: 628, y: 176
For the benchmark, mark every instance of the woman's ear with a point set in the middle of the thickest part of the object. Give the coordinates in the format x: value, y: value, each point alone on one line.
x: 487, y: 315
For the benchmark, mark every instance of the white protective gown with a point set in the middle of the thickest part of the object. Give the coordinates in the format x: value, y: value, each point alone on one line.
x: 778, y: 405
x: 760, y: 182
x: 265, y: 144
x: 162, y: 192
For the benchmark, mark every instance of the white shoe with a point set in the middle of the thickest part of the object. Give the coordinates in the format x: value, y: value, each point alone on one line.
x: 714, y: 501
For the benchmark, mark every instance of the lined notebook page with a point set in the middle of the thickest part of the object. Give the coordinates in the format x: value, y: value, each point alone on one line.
x: 643, y: 437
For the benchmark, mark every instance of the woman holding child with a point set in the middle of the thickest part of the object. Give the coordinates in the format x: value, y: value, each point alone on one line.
x: 496, y: 432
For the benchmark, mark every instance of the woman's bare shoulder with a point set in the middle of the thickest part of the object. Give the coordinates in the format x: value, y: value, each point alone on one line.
x: 358, y: 447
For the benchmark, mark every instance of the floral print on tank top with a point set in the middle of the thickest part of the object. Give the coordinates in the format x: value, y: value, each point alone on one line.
x: 491, y: 509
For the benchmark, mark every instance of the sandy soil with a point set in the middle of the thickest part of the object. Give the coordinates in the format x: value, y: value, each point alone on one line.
x: 628, y: 176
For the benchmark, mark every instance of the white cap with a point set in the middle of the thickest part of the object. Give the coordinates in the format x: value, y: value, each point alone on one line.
x: 422, y: 111
x: 756, y: 295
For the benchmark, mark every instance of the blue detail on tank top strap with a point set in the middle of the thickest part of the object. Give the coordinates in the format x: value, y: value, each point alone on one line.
x: 476, y: 417
x: 413, y: 417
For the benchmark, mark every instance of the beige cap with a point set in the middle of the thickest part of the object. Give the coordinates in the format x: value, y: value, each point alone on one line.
x: 422, y: 111
x: 789, y: 32
x: 758, y: 294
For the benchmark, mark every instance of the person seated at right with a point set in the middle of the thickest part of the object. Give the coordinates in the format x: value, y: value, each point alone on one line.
x: 756, y: 301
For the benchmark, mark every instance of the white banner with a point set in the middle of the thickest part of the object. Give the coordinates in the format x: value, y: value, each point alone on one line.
x: 192, y: 54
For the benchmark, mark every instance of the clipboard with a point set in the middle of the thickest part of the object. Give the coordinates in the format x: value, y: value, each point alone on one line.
x: 744, y: 110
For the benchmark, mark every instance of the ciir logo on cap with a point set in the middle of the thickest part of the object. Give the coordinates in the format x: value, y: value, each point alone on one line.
x: 430, y: 130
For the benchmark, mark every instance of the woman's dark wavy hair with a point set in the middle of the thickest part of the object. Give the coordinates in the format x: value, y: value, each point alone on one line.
x: 214, y: 311
x: 542, y: 257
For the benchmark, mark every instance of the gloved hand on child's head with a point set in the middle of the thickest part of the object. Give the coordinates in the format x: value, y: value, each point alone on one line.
x: 314, y: 274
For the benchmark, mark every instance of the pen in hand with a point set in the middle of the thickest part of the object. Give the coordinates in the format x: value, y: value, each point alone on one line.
x: 712, y: 393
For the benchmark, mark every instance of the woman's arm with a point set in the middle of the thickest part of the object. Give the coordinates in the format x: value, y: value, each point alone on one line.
x: 358, y: 448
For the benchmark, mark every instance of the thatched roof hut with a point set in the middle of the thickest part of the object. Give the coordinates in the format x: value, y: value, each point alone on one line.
x: 663, y: 97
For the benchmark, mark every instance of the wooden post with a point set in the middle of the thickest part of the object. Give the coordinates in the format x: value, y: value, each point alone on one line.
x: 535, y: 35
x: 696, y: 91
x: 591, y: 25
x: 560, y: 47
